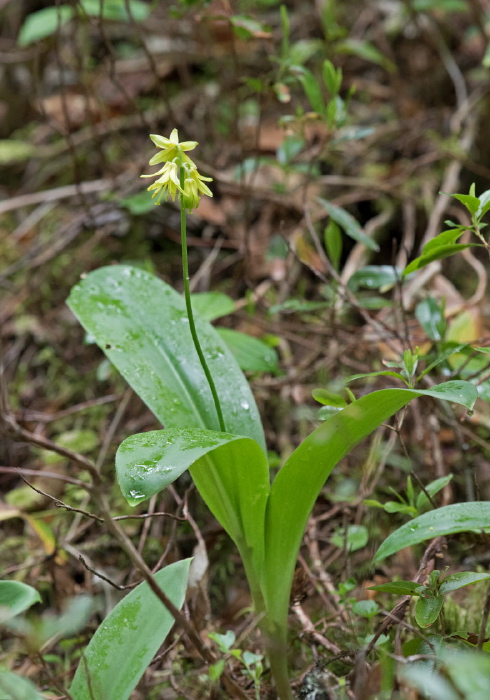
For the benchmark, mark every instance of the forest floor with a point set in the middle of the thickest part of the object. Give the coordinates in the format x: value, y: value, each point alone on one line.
x: 409, y: 125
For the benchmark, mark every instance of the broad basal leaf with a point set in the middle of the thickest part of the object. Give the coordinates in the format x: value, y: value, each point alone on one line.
x: 141, y: 324
x: 230, y: 472
x: 129, y: 637
x: 297, y: 485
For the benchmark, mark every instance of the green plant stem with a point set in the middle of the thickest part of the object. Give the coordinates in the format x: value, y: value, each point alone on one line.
x: 190, y: 315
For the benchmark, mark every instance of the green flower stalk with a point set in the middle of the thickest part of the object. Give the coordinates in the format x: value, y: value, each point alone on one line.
x: 180, y: 177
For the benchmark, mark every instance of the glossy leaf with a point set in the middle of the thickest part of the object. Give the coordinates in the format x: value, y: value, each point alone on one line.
x: 448, y: 520
x: 141, y: 324
x: 461, y: 579
x: 252, y: 354
x: 427, y: 610
x: 299, y: 482
x: 129, y: 637
x: 15, y: 598
x: 430, y: 315
x: 230, y: 472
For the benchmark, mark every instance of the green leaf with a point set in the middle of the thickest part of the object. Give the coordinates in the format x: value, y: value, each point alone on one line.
x: 448, y: 520
x: 16, y: 151
x: 427, y: 610
x: 484, y: 204
x: 332, y: 77
x: 15, y: 597
x: 430, y: 684
x: 141, y: 324
x: 348, y: 224
x: 432, y: 489
x: 139, y: 203
x: 397, y: 587
x: 381, y: 277
x: 430, y: 315
x: 43, y: 23
x: 328, y: 398
x: 439, y: 253
x: 14, y: 687
x: 311, y: 87
x: 452, y: 349
x: 252, y: 354
x: 365, y: 50
x: 461, y: 579
x: 382, y: 373
x: 333, y: 243
x: 231, y: 474
x: 297, y: 485
x: 444, y: 239
x: 116, y: 9
x: 129, y: 637
x: 365, y: 608
x: 212, y: 305
x: 356, y: 537
x: 471, y: 203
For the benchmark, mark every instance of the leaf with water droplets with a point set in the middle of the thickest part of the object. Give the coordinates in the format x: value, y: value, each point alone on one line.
x: 448, y: 520
x: 141, y: 325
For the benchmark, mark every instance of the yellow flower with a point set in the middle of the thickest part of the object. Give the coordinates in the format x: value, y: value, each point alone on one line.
x: 168, y: 183
x: 193, y: 188
x: 171, y: 147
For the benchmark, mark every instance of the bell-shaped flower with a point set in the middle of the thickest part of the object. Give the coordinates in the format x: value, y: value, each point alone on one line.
x: 168, y: 185
x: 194, y: 187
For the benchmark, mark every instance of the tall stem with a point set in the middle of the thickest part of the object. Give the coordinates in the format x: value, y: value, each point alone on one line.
x: 190, y: 315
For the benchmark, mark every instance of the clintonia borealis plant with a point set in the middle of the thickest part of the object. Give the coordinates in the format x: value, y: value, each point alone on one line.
x: 187, y: 376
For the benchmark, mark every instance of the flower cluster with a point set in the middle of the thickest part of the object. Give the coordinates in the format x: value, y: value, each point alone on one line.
x: 169, y: 184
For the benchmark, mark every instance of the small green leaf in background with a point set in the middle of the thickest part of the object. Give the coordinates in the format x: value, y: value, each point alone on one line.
x: 382, y: 277
x: 448, y: 520
x: 15, y: 597
x: 311, y: 87
x: 328, y: 398
x: 252, y: 354
x: 397, y: 587
x: 432, y: 489
x: 223, y: 641
x: 13, y: 687
x: 15, y: 151
x: 427, y: 610
x: 365, y: 50
x: 333, y: 243
x: 212, y: 305
x: 129, y: 637
x: 43, y: 23
x: 365, y: 608
x: 139, y: 203
x: 348, y: 224
x: 354, y: 538
x: 430, y: 315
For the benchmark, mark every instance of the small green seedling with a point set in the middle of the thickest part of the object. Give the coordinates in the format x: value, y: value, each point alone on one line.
x: 252, y: 663
x: 431, y: 596
x: 445, y: 244
x: 415, y: 503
